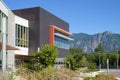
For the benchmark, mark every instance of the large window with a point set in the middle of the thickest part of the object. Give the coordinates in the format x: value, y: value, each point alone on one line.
x: 61, y: 43
x: 61, y: 40
x: 21, y: 36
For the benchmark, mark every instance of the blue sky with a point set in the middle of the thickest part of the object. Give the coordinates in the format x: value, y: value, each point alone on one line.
x: 86, y: 16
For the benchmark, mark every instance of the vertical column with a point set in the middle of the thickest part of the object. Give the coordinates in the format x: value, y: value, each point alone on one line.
x: 51, y: 35
x: 4, y: 43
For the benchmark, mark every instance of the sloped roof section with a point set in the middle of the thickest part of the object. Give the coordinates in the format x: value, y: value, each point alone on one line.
x: 9, y: 47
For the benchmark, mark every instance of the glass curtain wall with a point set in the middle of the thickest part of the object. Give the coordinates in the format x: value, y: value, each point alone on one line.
x: 61, y: 42
x: 21, y: 36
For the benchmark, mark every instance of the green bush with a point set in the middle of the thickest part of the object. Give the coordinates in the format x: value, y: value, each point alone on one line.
x: 91, y: 65
x: 25, y: 65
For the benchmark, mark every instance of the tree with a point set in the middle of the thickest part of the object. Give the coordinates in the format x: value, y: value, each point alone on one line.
x: 74, y: 57
x: 99, y: 48
x: 75, y: 50
x: 104, y: 58
x: 83, y: 62
x: 44, y: 58
x: 47, y: 55
x: 113, y: 58
x: 71, y: 62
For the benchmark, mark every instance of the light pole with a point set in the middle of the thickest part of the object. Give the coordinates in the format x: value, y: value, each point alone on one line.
x: 69, y: 66
x: 107, y: 68
x: 99, y: 62
x: 117, y: 60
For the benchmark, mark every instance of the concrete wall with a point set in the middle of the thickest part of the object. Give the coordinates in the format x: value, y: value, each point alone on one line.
x: 11, y: 28
x: 3, y: 7
x: 12, y: 19
x: 11, y: 37
x: 22, y: 22
x: 11, y: 40
x: 10, y: 60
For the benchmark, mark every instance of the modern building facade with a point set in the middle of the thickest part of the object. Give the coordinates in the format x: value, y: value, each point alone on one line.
x: 28, y: 30
x: 45, y: 28
x: 13, y: 40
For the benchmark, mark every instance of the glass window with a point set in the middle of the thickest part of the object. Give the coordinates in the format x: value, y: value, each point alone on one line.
x: 21, y: 36
x: 61, y: 43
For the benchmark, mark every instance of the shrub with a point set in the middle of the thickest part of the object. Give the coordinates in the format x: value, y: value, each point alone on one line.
x: 91, y: 65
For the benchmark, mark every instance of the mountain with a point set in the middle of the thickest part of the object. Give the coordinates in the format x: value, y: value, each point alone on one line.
x: 88, y: 43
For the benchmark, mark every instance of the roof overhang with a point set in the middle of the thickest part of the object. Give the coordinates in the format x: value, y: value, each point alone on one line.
x: 9, y: 47
x: 53, y: 28
x: 62, y: 36
x: 61, y: 30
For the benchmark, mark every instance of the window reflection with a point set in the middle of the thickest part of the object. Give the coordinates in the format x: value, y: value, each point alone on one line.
x: 61, y: 43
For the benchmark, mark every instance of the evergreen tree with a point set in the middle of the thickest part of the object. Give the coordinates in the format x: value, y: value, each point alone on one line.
x: 99, y: 48
x: 83, y: 62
